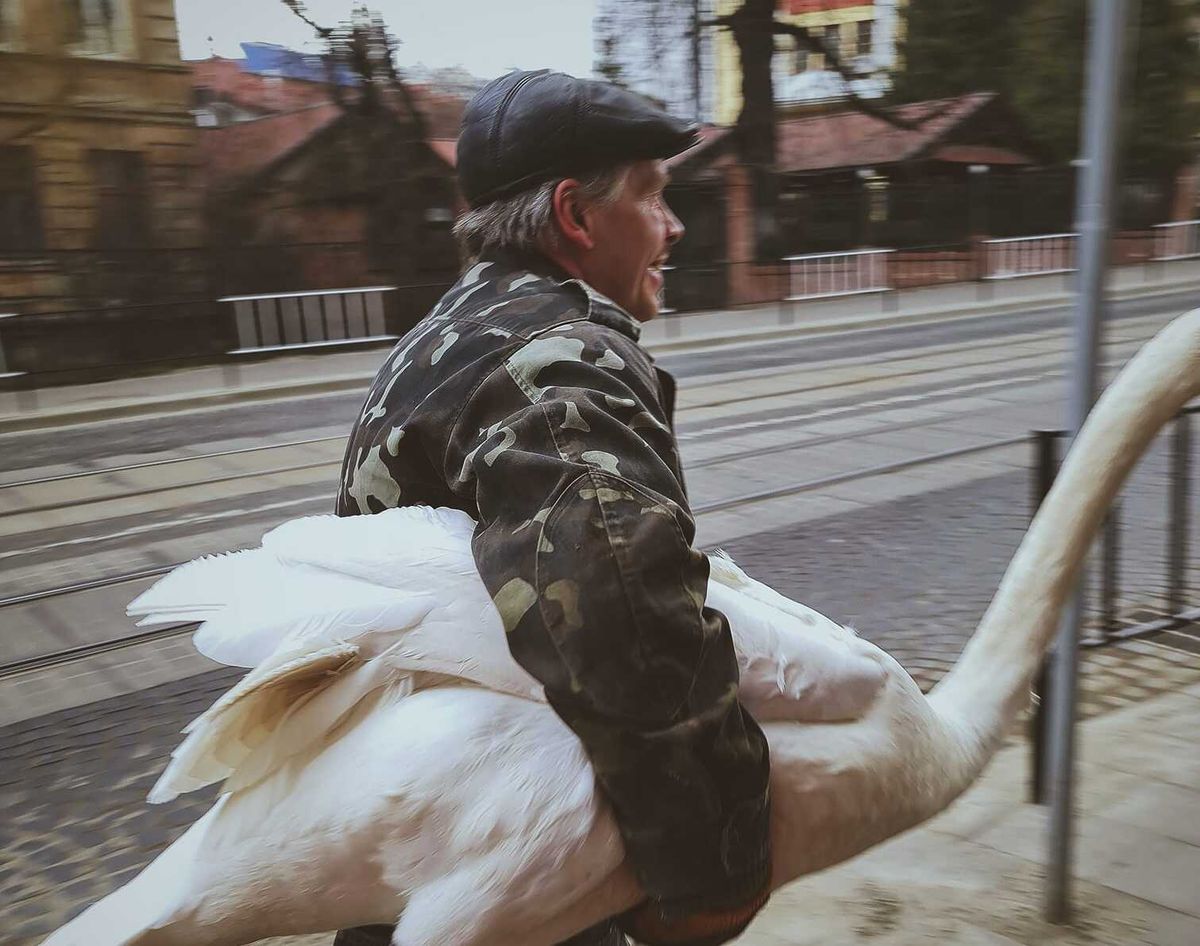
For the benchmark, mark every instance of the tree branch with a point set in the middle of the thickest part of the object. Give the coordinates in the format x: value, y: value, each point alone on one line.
x: 351, y: 45
x: 804, y: 38
x: 298, y: 8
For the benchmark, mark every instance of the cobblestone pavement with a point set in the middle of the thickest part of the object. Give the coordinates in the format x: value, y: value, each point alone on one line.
x: 913, y: 575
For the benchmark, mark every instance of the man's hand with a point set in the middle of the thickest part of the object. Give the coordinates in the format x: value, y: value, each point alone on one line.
x: 655, y: 924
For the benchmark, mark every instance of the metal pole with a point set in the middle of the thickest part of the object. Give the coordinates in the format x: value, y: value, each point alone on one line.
x: 1177, y: 527
x: 1106, y: 34
x: 1045, y: 465
x: 1110, y: 571
x: 696, y: 48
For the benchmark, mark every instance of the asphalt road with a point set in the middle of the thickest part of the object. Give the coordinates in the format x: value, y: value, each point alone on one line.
x: 90, y: 445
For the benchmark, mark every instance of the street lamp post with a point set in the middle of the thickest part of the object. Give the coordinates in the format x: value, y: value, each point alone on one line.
x: 1106, y: 36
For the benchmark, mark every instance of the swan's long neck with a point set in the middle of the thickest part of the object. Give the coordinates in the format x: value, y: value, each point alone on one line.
x: 991, y: 681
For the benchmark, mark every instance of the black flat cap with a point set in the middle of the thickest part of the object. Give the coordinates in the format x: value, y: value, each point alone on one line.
x: 529, y: 127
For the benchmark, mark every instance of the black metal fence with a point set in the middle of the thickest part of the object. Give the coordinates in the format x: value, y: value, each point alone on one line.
x: 1177, y: 610
x: 88, y: 316
x: 68, y: 316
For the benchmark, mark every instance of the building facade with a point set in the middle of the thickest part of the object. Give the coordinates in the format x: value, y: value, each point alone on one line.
x: 97, y: 156
x: 864, y: 32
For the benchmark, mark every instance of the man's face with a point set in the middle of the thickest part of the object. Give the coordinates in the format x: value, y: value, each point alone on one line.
x: 633, y: 237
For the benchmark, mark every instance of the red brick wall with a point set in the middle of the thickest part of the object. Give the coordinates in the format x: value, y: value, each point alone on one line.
x: 748, y: 282
x: 1187, y: 193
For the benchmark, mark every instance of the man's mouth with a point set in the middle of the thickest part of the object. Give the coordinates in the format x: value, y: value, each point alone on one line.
x: 655, y: 270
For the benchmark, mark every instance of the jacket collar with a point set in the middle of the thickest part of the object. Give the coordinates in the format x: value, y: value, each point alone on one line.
x: 508, y: 268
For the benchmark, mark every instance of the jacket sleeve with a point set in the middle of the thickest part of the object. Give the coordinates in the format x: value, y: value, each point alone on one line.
x: 585, y: 544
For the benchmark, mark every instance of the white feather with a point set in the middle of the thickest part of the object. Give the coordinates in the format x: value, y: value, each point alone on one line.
x: 398, y: 592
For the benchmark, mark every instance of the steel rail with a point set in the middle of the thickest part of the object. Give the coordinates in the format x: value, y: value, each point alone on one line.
x: 784, y: 392
x: 146, y: 464
x: 703, y: 509
x: 84, y: 651
x: 763, y: 495
x: 1008, y: 360
x: 151, y: 490
x: 77, y: 587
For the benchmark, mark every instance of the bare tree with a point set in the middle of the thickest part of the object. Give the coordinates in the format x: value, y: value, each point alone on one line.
x: 387, y: 133
x: 754, y: 27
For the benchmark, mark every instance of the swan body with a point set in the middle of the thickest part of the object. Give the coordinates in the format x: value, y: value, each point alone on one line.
x: 393, y: 600
x: 468, y: 813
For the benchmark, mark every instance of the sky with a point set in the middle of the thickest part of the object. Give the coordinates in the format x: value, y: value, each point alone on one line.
x: 486, y: 37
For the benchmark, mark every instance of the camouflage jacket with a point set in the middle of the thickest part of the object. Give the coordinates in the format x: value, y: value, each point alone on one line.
x: 525, y: 400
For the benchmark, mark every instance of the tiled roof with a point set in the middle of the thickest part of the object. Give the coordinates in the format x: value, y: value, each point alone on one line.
x: 442, y: 111
x: 446, y: 149
x: 979, y: 154
x: 851, y: 139
x: 228, y: 79
x: 239, y: 150
x: 294, y: 111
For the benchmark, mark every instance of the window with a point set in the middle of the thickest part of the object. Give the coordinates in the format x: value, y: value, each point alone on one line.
x: 90, y: 26
x: 10, y: 12
x: 800, y: 62
x: 863, y: 46
x: 20, y: 216
x: 122, y: 200
x: 833, y: 42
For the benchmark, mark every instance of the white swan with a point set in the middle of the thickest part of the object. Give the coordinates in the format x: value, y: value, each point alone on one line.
x: 470, y: 815
x: 394, y: 601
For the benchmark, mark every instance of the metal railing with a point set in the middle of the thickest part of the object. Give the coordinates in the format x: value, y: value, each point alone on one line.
x: 1179, y: 240
x: 1041, y: 255
x: 4, y: 370
x: 284, y: 321
x: 825, y: 275
x: 1176, y: 611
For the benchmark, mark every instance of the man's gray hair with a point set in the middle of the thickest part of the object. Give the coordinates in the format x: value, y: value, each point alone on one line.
x: 523, y: 224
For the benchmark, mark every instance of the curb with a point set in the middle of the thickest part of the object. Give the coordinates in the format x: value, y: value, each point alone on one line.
x: 923, y: 317
x: 51, y: 419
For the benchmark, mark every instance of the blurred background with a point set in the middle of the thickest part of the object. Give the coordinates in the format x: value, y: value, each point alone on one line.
x: 216, y: 216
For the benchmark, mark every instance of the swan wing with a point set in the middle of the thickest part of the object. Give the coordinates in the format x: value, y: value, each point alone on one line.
x: 388, y: 600
x: 267, y: 717
x: 227, y: 735
x: 394, y: 599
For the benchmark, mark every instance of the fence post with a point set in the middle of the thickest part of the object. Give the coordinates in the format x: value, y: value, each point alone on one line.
x: 1177, y: 514
x: 4, y: 372
x: 1045, y: 468
x: 1110, y: 571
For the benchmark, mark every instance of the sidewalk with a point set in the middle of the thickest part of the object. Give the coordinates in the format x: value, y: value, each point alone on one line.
x: 975, y: 876
x: 350, y: 371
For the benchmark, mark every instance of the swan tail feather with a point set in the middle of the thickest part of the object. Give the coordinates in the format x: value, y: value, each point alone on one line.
x: 251, y: 717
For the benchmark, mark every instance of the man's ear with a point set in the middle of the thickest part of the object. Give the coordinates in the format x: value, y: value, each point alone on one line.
x: 570, y: 215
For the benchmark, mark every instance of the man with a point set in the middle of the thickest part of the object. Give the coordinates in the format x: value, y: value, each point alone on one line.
x: 525, y: 399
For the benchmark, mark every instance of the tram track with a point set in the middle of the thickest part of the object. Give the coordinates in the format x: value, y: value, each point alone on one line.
x: 86, y: 651
x: 166, y: 461
x: 216, y: 456
x: 903, y: 374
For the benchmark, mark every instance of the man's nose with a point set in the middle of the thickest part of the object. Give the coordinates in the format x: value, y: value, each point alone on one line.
x: 675, y: 228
